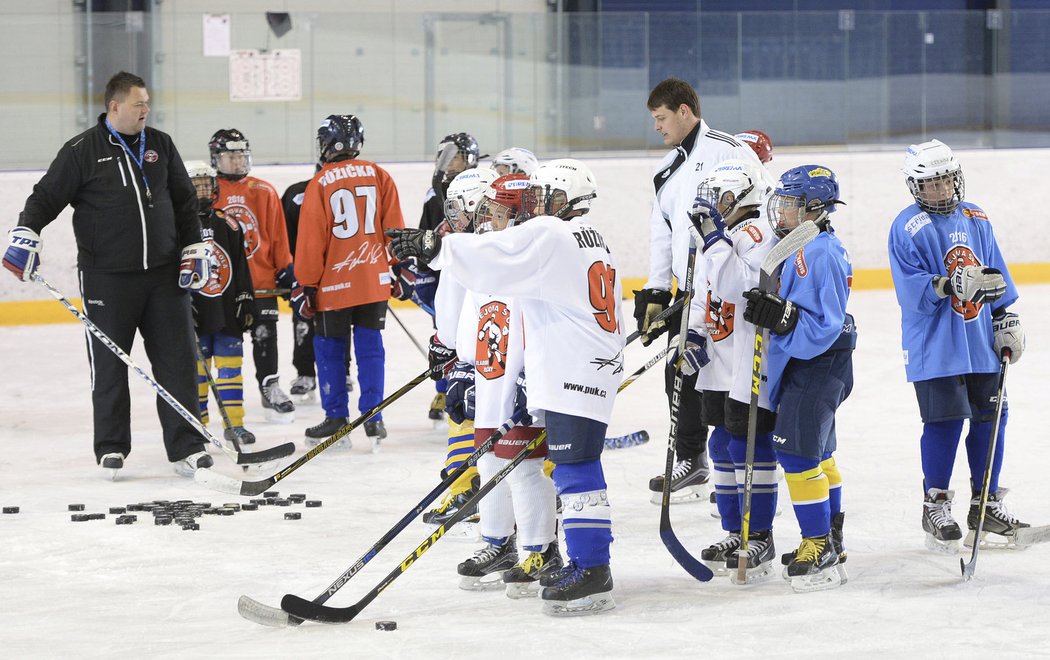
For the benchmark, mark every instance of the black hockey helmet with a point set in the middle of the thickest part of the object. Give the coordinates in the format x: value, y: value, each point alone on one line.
x: 230, y: 140
x: 339, y: 137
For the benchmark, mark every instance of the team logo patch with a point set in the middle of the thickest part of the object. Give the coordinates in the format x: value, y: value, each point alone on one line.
x: 800, y: 263
x: 957, y: 257
x: 221, y: 272
x: 490, y: 356
x: 249, y: 225
x: 975, y: 213
x: 150, y: 156
x: 720, y: 318
x: 754, y: 233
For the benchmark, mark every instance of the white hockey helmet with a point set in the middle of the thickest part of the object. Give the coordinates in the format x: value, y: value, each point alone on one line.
x: 934, y: 177
x: 734, y: 184
x: 203, y: 177
x: 464, y: 194
x: 572, y: 179
x: 515, y: 161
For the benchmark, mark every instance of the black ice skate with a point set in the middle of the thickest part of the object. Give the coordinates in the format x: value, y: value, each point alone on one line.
x: 485, y: 569
x: 815, y: 566
x: 714, y: 556
x: 688, y: 481
x: 942, y: 532
x: 238, y: 435
x: 315, y: 435
x: 111, y: 464
x: 279, y: 408
x: 1000, y: 529
x: 523, y: 580
x: 465, y: 529
x: 375, y: 431
x: 437, y: 409
x: 304, y: 389
x: 578, y: 591
x: 760, y: 556
x: 836, y: 540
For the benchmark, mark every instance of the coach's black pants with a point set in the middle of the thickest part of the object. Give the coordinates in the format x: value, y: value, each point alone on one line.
x: 151, y: 302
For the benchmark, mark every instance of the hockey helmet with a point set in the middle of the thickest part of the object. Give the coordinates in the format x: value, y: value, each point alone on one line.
x: 934, y: 177
x: 561, y: 187
x: 464, y: 194
x: 515, y: 161
x: 461, y: 145
x: 806, y: 193
x: 231, y: 155
x: 733, y: 185
x: 758, y: 141
x: 504, y: 204
x: 339, y: 137
x: 203, y: 177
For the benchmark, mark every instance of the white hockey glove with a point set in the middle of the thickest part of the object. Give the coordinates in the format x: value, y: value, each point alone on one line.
x: 976, y: 284
x: 1009, y: 335
x: 195, y: 267
x: 23, y: 252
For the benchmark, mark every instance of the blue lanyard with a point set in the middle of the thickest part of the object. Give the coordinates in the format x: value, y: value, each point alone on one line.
x: 138, y: 161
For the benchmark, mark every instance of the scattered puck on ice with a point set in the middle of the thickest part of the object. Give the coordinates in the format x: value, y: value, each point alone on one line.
x: 249, y: 507
x: 96, y: 516
x: 386, y: 625
x: 10, y: 509
x: 293, y: 515
x: 313, y: 504
x: 258, y: 502
x: 232, y: 505
x: 79, y: 517
x: 118, y: 509
x: 223, y: 511
x: 191, y: 526
x: 282, y: 502
x: 271, y: 493
x: 126, y: 520
x: 76, y: 507
x: 162, y: 520
x: 297, y: 497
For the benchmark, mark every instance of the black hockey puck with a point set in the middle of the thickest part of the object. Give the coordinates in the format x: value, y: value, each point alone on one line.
x: 293, y: 515
x: 79, y: 517
x: 313, y: 504
x: 297, y: 497
x: 282, y: 502
x: 232, y: 505
x: 191, y: 526
x: 10, y: 509
x: 271, y: 493
x: 249, y: 507
x: 386, y: 625
x: 96, y: 516
x: 76, y: 507
x: 223, y: 511
x: 258, y: 502
x: 126, y: 520
x: 118, y: 509
x: 162, y: 520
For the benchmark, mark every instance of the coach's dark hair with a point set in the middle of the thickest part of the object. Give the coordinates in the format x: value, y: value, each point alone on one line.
x: 120, y: 84
x: 673, y: 92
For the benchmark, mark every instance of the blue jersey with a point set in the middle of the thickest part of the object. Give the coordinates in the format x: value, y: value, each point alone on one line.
x: 944, y: 336
x: 817, y: 280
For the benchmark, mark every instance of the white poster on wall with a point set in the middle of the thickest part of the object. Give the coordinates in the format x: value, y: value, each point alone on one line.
x: 216, y: 35
x: 274, y: 75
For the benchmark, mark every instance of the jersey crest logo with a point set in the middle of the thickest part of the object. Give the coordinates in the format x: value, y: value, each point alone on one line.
x: 490, y: 356
x: 957, y: 257
x: 754, y: 233
x: 249, y: 225
x: 720, y: 318
x: 800, y: 263
x: 221, y: 272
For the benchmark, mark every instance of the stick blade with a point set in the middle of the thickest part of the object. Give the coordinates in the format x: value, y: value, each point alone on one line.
x: 967, y: 569
x: 311, y: 611
x: 264, y: 615
x: 266, y: 455
x: 691, y: 565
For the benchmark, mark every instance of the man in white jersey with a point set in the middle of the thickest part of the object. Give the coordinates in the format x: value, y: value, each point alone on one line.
x: 564, y: 281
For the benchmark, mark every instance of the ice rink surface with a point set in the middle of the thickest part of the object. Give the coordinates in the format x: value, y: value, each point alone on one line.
x: 95, y: 589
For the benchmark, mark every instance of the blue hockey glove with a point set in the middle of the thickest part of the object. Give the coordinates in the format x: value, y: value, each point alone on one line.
x: 303, y: 301
x: 23, y: 252
x: 286, y: 280
x: 708, y: 222
x: 768, y: 310
x: 414, y: 282
x: 419, y: 243
x: 695, y: 357
x: 439, y: 356
x: 195, y: 267
x: 521, y: 399
x: 459, y: 399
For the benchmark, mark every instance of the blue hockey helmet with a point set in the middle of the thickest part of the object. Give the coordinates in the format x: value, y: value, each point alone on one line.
x: 810, y: 190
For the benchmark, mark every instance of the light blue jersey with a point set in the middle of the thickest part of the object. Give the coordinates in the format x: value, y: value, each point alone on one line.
x: 944, y: 336
x: 817, y: 279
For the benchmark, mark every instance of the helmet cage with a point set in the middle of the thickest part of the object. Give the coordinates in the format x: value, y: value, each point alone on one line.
x: 929, y: 192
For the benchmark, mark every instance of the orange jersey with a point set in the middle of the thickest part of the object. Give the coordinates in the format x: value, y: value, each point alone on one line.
x: 341, y: 249
x: 257, y: 208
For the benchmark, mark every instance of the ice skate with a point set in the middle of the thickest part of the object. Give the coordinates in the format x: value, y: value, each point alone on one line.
x: 760, y: 556
x: 942, y: 532
x: 836, y: 540
x: 714, y: 556
x: 523, y: 580
x: 317, y: 434
x: 279, y: 408
x: 187, y: 466
x: 304, y: 389
x: 375, y: 431
x: 111, y: 464
x: 484, y: 571
x: 579, y: 591
x: 437, y: 410
x: 237, y: 436
x: 688, y: 482
x: 467, y: 528
x: 815, y: 566
x: 1000, y: 529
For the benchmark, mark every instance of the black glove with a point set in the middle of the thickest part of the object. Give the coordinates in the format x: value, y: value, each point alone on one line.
x: 420, y: 243
x: 459, y: 399
x: 303, y: 301
x: 286, y: 280
x: 439, y: 355
x: 648, y: 303
x: 768, y: 310
x: 244, y: 303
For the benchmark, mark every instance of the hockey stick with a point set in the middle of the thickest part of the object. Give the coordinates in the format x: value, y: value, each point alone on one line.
x: 315, y: 611
x: 222, y: 483
x: 272, y: 454
x: 227, y: 425
x: 969, y: 567
x: 789, y: 245
x: 253, y: 610
x: 273, y: 292
x: 412, y: 337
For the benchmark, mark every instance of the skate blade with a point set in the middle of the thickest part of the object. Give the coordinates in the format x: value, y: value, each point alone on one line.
x: 461, y: 531
x: 717, y: 567
x: 944, y: 547
x: 761, y: 573
x: 376, y: 442
x: 489, y: 582
x: 990, y: 541
x: 520, y: 590
x: 687, y: 495
x: 110, y: 474
x: 275, y: 417
x: 593, y: 604
x: 343, y: 444
x: 829, y: 578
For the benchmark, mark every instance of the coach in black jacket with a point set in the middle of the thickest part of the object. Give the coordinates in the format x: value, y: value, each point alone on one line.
x: 135, y: 219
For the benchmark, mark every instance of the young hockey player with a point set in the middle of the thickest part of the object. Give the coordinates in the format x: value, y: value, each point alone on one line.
x: 809, y: 366
x: 254, y: 204
x: 222, y: 309
x: 490, y: 343
x: 515, y: 160
x: 759, y: 143
x: 564, y: 281
x: 954, y: 289
x: 727, y: 216
x: 343, y: 267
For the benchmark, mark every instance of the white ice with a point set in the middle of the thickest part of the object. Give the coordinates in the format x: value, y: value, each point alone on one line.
x: 94, y: 589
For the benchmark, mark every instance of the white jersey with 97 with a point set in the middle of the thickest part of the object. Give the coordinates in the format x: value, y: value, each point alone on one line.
x: 565, y: 284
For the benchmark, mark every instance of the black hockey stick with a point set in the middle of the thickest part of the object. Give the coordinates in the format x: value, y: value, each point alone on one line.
x: 315, y: 611
x: 220, y: 482
x: 253, y: 610
x: 767, y: 281
x: 227, y: 425
x: 273, y: 292
x: 272, y: 454
x: 968, y: 567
